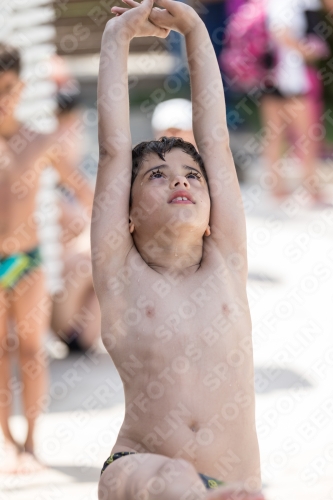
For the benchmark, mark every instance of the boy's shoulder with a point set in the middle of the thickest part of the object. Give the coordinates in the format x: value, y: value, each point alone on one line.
x: 25, y: 137
x: 213, y: 265
x: 30, y: 148
x: 25, y: 153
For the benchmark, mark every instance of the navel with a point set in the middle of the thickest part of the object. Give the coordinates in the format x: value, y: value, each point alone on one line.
x: 225, y: 309
x: 150, y: 312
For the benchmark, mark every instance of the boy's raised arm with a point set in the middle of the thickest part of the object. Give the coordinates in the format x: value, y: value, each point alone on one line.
x: 209, y: 126
x: 211, y: 134
x: 114, y: 133
x: 111, y: 201
x: 111, y: 239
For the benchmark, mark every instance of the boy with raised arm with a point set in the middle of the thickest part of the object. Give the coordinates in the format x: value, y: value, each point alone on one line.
x: 169, y: 253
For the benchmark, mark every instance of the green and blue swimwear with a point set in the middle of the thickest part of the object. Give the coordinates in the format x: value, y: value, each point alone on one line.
x: 14, y: 267
x: 208, y: 481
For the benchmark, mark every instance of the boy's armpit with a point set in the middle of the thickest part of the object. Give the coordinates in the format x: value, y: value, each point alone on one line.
x: 110, y: 235
x: 227, y: 217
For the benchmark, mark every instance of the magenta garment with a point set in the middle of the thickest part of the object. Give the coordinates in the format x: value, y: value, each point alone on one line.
x: 233, y: 5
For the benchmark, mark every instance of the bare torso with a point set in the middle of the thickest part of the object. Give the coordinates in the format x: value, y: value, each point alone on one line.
x: 21, y: 165
x: 184, y: 353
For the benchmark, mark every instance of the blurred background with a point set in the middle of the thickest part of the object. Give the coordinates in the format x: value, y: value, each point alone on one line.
x: 277, y: 65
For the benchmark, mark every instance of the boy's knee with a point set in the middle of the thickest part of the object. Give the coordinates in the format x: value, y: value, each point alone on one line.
x: 174, y: 468
x: 109, y: 486
x: 183, y: 464
x: 8, y: 344
x: 171, y: 470
x: 175, y: 478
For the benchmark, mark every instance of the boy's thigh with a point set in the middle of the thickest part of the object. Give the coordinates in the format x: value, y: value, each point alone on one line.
x: 30, y: 309
x: 127, y: 476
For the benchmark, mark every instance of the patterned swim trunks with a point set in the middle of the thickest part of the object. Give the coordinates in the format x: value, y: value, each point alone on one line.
x: 14, y: 267
x: 208, y: 481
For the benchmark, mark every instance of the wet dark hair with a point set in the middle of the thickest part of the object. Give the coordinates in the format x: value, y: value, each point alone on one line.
x: 68, y: 97
x: 10, y: 59
x: 161, y: 147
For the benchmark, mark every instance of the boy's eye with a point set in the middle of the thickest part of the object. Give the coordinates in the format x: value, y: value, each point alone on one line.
x: 156, y: 175
x: 194, y: 175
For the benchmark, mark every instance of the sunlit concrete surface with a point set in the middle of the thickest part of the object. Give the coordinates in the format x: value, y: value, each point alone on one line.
x: 290, y: 292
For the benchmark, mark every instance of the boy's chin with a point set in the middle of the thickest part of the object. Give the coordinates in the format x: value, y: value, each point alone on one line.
x: 176, y: 223
x: 167, y: 230
x: 186, y: 215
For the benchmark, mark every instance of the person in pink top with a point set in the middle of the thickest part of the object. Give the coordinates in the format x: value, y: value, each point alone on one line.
x: 287, y: 109
x: 232, y: 6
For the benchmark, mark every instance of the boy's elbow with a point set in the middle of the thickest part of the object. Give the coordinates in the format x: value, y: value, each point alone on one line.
x: 113, y: 150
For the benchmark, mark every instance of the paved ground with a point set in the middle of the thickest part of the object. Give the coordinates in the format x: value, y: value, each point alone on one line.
x: 291, y: 294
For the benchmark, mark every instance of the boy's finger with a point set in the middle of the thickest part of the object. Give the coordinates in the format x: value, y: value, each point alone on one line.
x: 161, y: 17
x: 156, y: 17
x: 165, y: 3
x: 118, y: 10
x: 131, y: 2
x: 147, y: 3
x: 163, y: 33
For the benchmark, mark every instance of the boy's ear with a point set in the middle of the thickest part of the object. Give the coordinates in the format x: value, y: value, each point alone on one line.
x: 207, y: 232
x: 131, y: 226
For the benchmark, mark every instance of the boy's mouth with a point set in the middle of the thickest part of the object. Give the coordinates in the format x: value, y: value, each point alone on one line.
x: 181, y: 197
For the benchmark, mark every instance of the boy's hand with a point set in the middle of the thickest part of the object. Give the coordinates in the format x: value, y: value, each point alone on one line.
x: 135, y: 21
x: 175, y: 16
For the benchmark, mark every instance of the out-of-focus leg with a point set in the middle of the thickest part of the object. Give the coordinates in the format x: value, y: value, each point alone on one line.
x: 272, y: 138
x: 31, y: 306
x: 77, y: 298
x: 308, y: 144
x: 9, y: 449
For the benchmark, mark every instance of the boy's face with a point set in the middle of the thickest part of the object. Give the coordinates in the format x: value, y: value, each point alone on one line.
x: 170, y: 195
x: 10, y: 92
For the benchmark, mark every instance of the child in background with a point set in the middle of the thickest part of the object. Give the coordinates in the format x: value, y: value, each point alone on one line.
x: 23, y: 295
x: 287, y: 104
x: 77, y: 295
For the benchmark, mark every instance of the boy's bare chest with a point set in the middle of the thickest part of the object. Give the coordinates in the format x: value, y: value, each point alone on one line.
x: 20, y: 173
x: 204, y: 309
x: 20, y: 170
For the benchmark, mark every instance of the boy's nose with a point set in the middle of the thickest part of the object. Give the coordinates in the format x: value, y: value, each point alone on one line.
x: 180, y: 181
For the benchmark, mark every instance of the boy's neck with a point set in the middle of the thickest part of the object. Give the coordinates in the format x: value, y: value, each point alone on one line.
x: 179, y: 258
x: 9, y: 126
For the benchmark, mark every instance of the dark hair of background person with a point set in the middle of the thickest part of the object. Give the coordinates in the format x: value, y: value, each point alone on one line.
x: 68, y: 97
x: 10, y: 59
